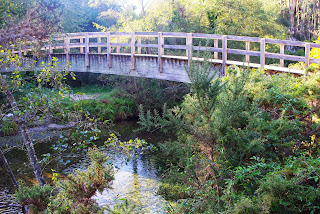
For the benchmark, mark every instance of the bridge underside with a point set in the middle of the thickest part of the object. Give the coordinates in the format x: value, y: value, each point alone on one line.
x: 173, y: 69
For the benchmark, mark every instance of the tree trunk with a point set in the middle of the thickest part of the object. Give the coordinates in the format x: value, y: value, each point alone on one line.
x: 24, y: 132
x: 15, y: 183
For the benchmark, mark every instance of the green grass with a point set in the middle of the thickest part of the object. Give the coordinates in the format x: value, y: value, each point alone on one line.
x: 92, y: 89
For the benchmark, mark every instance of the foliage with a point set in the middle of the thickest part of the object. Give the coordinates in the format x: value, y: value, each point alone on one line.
x: 74, y: 193
x: 8, y: 127
x: 247, y: 143
x: 36, y: 196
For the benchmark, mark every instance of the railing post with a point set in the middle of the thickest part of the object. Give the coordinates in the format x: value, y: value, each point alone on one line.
x: 67, y: 48
x: 87, y: 50
x: 189, y: 47
x: 109, y: 49
x: 282, y: 53
x: 99, y: 47
x: 160, y: 50
x: 224, y: 53
x: 81, y: 42
x: 262, y: 53
x: 133, y: 51
x: 248, y: 49
x: 307, y: 55
x: 50, y: 51
x: 139, y: 42
x: 19, y: 52
x: 216, y: 45
x: 118, y: 41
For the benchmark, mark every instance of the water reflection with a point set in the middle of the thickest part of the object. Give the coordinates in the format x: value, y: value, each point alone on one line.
x: 137, y: 182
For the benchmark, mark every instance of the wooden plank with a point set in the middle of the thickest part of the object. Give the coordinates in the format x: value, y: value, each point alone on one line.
x: 285, y: 57
x: 118, y: 47
x: 216, y: 45
x: 316, y: 61
x: 77, y: 45
x: 87, y: 50
x: 112, y: 34
x: 282, y: 53
x: 99, y: 41
x: 224, y: 53
x: 314, y: 45
x: 160, y: 50
x: 243, y: 52
x: 139, y: 47
x: 247, y: 49
x: 307, y: 55
x: 147, y: 34
x: 244, y: 38
x: 133, y: 51
x: 211, y: 49
x: 206, y: 36
x: 173, y: 34
x: 262, y: 53
x: 178, y: 47
x: 147, y: 45
x: 109, y: 49
x: 285, y: 42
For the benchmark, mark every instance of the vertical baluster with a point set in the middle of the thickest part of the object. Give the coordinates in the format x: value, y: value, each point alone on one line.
x: 160, y: 50
x: 216, y: 45
x: 139, y: 42
x: 99, y: 47
x: 282, y: 53
x: 247, y: 49
x: 262, y: 53
x: 109, y: 49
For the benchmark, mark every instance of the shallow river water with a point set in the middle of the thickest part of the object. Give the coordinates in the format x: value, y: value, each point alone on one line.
x: 135, y: 180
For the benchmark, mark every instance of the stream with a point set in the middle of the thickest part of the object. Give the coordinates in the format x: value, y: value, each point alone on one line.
x: 135, y: 180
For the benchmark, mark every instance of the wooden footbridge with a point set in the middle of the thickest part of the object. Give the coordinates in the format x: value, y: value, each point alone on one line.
x: 166, y: 55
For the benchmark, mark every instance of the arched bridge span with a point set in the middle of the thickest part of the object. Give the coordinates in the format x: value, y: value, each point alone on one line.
x: 166, y: 55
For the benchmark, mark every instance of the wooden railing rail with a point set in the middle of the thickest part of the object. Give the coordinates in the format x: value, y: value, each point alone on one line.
x: 110, y: 43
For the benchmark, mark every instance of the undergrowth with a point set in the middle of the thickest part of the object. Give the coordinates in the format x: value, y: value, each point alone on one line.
x: 247, y: 143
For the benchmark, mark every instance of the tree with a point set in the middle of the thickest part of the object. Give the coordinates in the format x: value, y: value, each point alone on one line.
x: 38, y: 23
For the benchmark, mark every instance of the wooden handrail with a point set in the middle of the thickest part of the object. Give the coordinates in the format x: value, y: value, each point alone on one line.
x: 135, y: 40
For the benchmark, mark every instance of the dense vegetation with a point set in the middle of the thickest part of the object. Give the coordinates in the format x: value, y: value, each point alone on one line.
x: 247, y: 143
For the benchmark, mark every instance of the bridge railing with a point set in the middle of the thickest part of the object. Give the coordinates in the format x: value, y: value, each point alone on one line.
x: 110, y: 43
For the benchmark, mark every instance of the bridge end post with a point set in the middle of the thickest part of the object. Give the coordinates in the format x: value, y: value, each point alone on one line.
x: 133, y: 51
x: 67, y: 48
x: 248, y: 49
x: 307, y: 56
x: 224, y: 53
x: 189, y: 48
x: 109, y: 49
x: 160, y: 50
x: 87, y: 50
x: 262, y: 53
x: 282, y: 53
